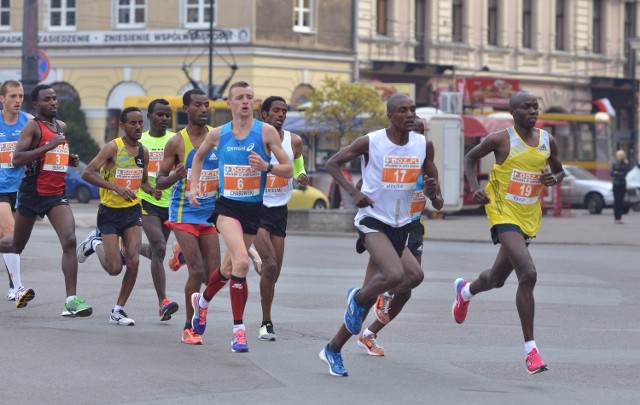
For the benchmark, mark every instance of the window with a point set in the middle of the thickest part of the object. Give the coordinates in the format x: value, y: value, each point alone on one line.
x: 527, y: 24
x: 62, y: 14
x: 456, y: 21
x: 303, y: 15
x: 492, y: 22
x: 561, y: 42
x: 198, y: 13
x: 381, y: 17
x: 629, y: 32
x: 5, y: 14
x: 131, y: 13
x: 597, y: 26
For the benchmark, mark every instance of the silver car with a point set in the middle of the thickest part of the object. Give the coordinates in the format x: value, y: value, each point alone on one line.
x: 582, y: 189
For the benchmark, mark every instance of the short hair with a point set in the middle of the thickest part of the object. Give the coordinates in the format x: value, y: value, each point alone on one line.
x: 35, y: 93
x: 266, y: 104
x: 152, y: 104
x: 242, y: 84
x: 186, y: 97
x: 126, y: 111
x: 8, y: 83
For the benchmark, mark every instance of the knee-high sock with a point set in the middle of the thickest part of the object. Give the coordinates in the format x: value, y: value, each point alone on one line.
x: 12, y: 260
x: 215, y: 284
x: 239, y: 293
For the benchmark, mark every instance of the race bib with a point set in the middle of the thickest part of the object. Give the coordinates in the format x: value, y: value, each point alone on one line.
x: 57, y: 160
x: 275, y: 184
x: 155, y: 158
x: 129, y: 178
x: 6, y: 154
x: 241, y: 181
x: 400, y: 172
x: 417, y: 203
x: 524, y: 187
x: 208, y: 182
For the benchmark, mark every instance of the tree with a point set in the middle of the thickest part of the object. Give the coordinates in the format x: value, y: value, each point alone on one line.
x: 80, y: 141
x: 345, y: 110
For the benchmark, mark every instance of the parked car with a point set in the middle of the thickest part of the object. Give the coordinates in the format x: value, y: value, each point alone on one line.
x: 78, y: 188
x: 582, y: 189
x: 307, y: 197
x: 633, y: 187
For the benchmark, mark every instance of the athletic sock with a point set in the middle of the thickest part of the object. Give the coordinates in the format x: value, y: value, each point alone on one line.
x: 367, y: 333
x: 466, y: 292
x: 528, y: 346
x: 117, y: 308
x: 215, y: 284
x: 239, y: 293
x: 95, y: 243
x: 12, y: 260
x: 70, y: 298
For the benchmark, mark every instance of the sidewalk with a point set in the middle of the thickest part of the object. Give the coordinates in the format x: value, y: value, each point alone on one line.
x: 579, y: 227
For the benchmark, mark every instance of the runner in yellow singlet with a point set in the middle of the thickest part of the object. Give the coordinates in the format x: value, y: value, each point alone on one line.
x: 526, y: 160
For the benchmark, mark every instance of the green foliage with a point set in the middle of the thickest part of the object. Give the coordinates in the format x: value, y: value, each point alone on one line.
x: 345, y: 110
x: 80, y: 141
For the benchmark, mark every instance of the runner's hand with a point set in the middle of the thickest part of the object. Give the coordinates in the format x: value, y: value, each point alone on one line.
x: 481, y: 197
x: 194, y: 194
x: 303, y: 179
x: 125, y: 193
x: 360, y: 200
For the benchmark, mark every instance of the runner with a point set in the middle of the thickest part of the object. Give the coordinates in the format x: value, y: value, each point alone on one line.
x: 190, y: 222
x: 244, y: 147
x: 44, y: 149
x: 512, y: 203
x: 119, y: 169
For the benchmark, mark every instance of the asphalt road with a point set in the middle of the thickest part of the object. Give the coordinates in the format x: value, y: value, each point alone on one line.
x: 587, y: 329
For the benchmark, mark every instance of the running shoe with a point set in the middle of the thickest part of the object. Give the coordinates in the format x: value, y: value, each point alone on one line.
x: 11, y: 295
x: 257, y: 261
x: 76, y: 308
x: 174, y: 260
x: 239, y: 342
x: 353, y: 313
x: 334, y: 360
x: 119, y: 317
x: 199, y: 318
x: 460, y: 305
x: 371, y: 344
x: 381, y: 309
x: 190, y: 337
x: 267, y: 332
x: 24, y: 295
x: 85, y: 248
x: 167, y: 308
x: 534, y: 363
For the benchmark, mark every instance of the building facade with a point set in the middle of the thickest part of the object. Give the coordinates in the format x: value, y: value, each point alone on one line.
x: 99, y: 51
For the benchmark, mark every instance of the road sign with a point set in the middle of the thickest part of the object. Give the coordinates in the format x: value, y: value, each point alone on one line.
x: 44, y: 66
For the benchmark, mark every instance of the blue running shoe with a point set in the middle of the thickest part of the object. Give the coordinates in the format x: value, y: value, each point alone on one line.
x: 353, y: 313
x: 334, y: 360
x: 199, y: 318
x: 239, y: 342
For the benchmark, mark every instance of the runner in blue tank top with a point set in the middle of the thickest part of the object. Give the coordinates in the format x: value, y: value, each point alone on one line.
x: 12, y: 121
x: 244, y: 152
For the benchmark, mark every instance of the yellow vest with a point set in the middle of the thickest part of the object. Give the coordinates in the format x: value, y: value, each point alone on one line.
x: 127, y: 172
x: 514, y: 186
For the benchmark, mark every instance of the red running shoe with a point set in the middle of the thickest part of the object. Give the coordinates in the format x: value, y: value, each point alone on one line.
x: 460, y: 305
x: 534, y: 363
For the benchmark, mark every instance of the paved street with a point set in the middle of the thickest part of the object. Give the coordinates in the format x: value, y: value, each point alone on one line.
x: 586, y: 328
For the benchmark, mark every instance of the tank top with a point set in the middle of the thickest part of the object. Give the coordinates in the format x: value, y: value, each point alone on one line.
x: 277, y: 191
x: 180, y: 210
x: 238, y: 181
x: 127, y: 172
x: 389, y: 177
x: 10, y: 176
x: 514, y: 186
x: 155, y: 146
x: 45, y: 175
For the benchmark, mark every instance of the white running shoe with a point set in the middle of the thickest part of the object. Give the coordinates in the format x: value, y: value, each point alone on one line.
x: 85, y: 248
x: 119, y: 317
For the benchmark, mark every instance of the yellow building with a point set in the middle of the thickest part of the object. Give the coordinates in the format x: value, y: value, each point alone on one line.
x: 100, y: 51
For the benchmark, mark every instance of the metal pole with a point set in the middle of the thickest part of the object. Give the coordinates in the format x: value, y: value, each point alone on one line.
x: 211, y: 92
x: 29, y: 51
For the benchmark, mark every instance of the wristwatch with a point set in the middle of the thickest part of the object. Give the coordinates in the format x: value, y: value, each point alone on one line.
x: 269, y: 168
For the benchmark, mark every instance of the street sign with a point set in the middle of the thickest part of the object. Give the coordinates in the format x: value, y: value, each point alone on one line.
x: 44, y: 66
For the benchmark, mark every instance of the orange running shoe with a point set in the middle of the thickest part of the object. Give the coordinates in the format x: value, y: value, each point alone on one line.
x: 381, y: 309
x: 174, y: 260
x: 190, y: 337
x: 167, y: 308
x: 371, y: 344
